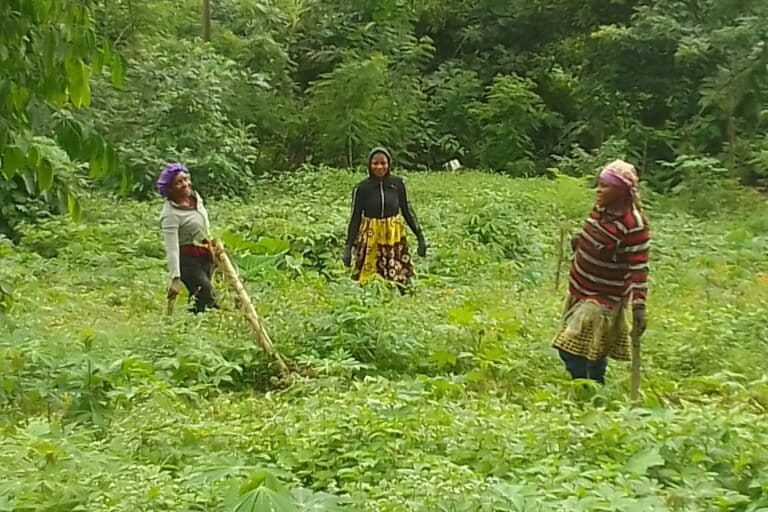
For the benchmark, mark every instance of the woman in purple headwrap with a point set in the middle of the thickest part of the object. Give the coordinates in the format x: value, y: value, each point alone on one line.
x: 609, y: 274
x: 185, y: 226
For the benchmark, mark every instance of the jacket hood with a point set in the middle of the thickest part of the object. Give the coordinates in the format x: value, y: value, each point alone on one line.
x: 380, y: 150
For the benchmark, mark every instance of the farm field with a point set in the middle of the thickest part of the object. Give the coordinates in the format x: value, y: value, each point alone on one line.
x: 446, y: 399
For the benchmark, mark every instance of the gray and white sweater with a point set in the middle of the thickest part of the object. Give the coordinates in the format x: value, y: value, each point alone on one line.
x: 182, y: 226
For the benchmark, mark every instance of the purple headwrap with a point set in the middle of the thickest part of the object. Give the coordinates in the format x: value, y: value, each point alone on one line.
x: 165, y: 180
x: 622, y: 174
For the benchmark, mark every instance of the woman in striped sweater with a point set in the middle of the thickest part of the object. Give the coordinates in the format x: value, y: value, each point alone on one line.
x: 609, y: 273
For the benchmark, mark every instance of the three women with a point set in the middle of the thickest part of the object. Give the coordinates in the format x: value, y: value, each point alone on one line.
x: 608, y: 276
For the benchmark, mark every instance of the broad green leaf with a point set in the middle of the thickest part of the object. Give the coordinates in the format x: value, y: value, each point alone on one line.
x: 98, y: 62
x: 642, y: 461
x: 45, y: 175
x: 34, y: 156
x: 308, y: 501
x: 264, y: 492
x: 13, y: 161
x: 91, y: 147
x: 78, y: 75
x: 56, y: 96
x: 61, y: 199
x: 85, y: 92
x: 274, y: 245
x: 106, y: 50
x: 461, y: 316
x: 39, y: 429
x: 263, y: 499
x: 73, y: 207
x: 443, y: 358
x: 18, y: 98
x: 96, y: 167
x: 118, y: 70
x: 111, y: 161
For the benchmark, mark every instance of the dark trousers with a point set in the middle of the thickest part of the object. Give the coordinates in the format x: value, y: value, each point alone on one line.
x: 196, y: 274
x: 582, y: 368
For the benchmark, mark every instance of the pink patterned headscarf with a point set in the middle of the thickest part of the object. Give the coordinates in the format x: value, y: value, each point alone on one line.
x: 621, y: 174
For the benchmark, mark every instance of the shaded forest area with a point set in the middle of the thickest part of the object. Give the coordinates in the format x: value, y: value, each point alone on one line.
x: 517, y: 87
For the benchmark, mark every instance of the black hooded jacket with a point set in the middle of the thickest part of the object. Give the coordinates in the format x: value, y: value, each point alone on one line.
x: 379, y: 199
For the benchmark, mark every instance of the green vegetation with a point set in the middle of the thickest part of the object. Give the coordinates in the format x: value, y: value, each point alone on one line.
x: 679, y: 88
x: 446, y: 399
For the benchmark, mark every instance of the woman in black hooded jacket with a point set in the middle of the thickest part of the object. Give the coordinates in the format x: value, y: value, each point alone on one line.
x: 376, y: 231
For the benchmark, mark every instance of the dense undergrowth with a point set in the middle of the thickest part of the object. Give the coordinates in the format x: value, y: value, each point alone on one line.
x: 445, y: 399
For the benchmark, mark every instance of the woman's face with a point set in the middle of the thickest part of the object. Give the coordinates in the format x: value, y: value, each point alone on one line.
x: 608, y: 195
x: 181, y: 187
x: 379, y: 165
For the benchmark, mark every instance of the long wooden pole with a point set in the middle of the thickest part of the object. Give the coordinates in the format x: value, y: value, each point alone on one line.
x: 634, y: 387
x: 223, y: 261
x: 560, y: 257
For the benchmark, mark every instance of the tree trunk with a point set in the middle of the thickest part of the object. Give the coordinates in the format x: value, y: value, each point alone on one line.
x: 350, y: 163
x: 206, y: 22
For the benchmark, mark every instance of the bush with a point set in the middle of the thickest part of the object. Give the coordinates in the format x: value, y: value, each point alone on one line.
x: 510, y: 115
x: 176, y: 107
x: 579, y: 162
x: 757, y: 170
x: 689, y: 173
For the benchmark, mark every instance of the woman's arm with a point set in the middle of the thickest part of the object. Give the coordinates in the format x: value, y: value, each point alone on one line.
x: 355, y: 217
x: 170, y: 229
x: 407, y: 211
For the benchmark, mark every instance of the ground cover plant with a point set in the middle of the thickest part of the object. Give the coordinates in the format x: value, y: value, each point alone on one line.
x: 445, y: 399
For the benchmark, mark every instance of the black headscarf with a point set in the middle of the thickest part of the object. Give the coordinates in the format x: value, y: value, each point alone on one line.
x: 380, y: 150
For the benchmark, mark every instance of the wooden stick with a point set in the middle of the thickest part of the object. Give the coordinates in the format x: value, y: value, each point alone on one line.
x: 634, y: 387
x: 169, y: 306
x: 222, y: 260
x: 560, y: 257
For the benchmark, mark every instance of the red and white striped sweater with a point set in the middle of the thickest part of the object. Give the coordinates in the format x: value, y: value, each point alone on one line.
x: 610, y: 264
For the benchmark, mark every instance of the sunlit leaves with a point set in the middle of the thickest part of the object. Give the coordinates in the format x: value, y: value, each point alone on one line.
x: 78, y: 75
x: 263, y: 492
x: 47, y: 70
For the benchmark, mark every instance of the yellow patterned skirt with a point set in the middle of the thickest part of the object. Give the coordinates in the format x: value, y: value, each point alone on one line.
x: 593, y: 331
x: 381, y: 249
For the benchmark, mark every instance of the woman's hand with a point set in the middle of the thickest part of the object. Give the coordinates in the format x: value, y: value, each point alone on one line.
x: 639, y: 322
x: 174, y: 289
x: 422, y: 249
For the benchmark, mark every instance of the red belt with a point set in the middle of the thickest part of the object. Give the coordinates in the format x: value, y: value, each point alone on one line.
x: 195, y: 250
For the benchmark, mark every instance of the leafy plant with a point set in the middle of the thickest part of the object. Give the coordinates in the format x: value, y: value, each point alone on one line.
x: 690, y: 173
x: 49, y: 54
x: 509, y: 117
x: 176, y: 107
x: 446, y: 398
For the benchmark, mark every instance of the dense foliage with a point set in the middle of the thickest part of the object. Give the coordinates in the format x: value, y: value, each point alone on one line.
x: 48, y: 53
x: 447, y: 399
x: 514, y: 86
x: 518, y: 87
